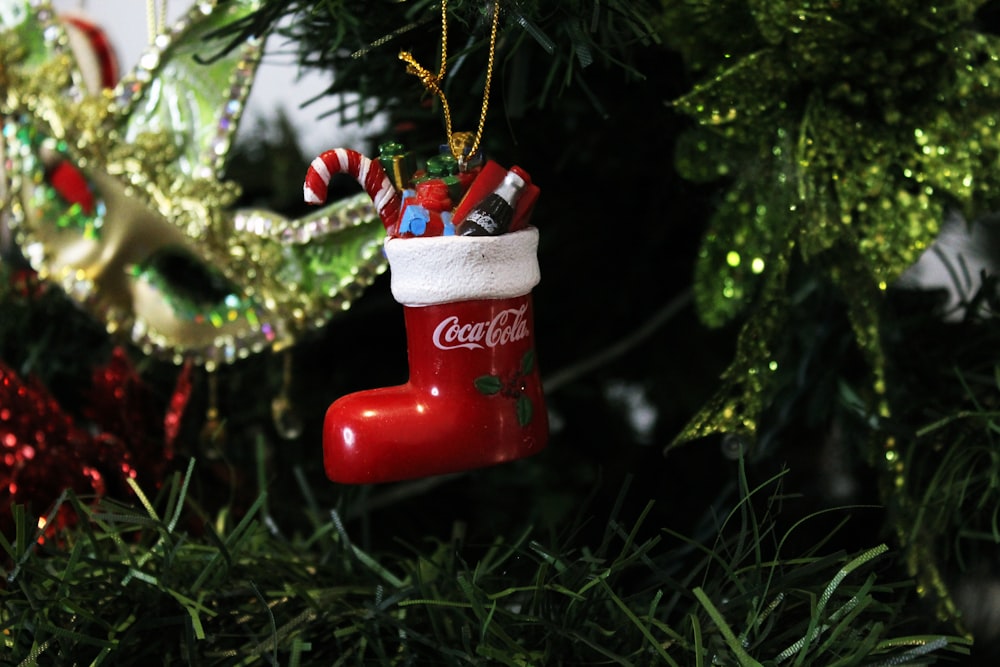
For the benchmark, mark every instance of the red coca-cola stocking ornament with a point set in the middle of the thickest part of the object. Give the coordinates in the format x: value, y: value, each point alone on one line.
x: 463, y: 263
x: 464, y: 277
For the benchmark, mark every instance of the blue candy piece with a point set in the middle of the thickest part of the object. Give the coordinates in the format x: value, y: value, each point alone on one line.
x: 414, y: 220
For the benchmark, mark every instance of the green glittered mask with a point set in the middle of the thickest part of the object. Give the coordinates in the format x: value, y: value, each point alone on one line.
x: 145, y: 236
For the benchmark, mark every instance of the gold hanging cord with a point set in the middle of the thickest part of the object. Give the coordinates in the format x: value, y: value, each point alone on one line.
x: 458, y: 142
x: 156, y: 18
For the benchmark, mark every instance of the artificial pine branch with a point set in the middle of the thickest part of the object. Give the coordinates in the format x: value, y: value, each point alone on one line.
x: 140, y: 582
x: 544, y: 47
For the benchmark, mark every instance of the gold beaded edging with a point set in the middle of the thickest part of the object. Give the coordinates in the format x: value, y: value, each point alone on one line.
x: 161, y: 177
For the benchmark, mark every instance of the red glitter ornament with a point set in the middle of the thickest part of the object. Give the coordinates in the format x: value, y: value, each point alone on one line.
x: 45, y: 451
x: 121, y: 405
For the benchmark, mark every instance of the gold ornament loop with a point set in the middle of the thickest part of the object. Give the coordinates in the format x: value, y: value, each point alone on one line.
x: 432, y: 82
x: 156, y: 18
x: 462, y: 144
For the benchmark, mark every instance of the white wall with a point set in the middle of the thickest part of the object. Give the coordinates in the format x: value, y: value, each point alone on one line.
x: 278, y: 82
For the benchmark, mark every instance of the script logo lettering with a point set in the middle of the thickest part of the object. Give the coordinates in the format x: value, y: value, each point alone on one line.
x: 507, y: 326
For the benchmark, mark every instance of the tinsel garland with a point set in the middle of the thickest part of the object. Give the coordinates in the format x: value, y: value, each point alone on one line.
x: 844, y: 132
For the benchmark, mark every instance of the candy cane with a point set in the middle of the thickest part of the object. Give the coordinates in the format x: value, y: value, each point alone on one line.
x: 366, y: 171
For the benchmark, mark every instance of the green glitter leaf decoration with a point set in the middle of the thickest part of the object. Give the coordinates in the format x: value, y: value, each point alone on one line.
x: 747, y: 229
x: 745, y: 388
x: 841, y: 130
x: 720, y: 104
x: 879, y: 130
x: 843, y: 134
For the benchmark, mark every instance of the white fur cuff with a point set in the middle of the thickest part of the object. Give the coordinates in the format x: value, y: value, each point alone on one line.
x: 441, y: 269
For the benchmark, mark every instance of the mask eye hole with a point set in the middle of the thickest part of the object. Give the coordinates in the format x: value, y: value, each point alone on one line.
x: 70, y: 184
x: 195, y: 291
x: 63, y: 196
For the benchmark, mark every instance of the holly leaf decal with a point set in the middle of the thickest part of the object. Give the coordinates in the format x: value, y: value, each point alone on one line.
x: 488, y: 384
x: 528, y: 362
x: 525, y: 410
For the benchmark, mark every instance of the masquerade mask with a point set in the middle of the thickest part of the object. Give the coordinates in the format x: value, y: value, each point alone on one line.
x: 118, y: 195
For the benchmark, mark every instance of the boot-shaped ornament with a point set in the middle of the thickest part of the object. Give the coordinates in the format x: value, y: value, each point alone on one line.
x: 474, y: 396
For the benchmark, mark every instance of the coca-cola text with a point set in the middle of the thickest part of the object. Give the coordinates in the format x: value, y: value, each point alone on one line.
x: 506, y: 326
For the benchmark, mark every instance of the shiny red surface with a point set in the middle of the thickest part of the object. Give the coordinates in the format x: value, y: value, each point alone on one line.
x: 441, y: 420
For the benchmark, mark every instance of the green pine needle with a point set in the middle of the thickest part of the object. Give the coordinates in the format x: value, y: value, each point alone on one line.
x: 129, y: 584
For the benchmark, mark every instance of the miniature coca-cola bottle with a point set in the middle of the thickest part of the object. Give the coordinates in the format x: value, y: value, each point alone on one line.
x: 493, y: 215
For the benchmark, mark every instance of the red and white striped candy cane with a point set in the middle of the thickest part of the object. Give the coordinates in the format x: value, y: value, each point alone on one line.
x: 367, y: 172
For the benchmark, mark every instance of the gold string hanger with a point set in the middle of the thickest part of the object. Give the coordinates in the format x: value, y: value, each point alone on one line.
x: 156, y: 18
x: 459, y: 142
